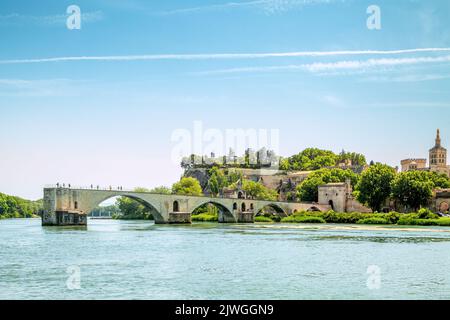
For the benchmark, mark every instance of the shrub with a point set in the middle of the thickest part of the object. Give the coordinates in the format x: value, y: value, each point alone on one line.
x: 373, y: 221
x: 418, y: 222
x: 263, y: 219
x: 426, y: 214
x: 205, y: 218
x: 413, y: 220
x: 303, y: 219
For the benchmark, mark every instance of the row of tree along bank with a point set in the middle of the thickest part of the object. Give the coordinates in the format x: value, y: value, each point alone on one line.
x: 15, y: 207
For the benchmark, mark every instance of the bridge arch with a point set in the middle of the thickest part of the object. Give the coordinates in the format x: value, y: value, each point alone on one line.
x: 280, y: 211
x: 225, y: 214
x: 314, y: 209
x: 96, y: 201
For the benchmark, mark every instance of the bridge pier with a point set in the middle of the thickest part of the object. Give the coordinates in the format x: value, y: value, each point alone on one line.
x: 180, y: 218
x: 246, y: 217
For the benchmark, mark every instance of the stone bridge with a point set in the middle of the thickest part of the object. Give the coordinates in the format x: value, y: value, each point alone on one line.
x: 69, y: 206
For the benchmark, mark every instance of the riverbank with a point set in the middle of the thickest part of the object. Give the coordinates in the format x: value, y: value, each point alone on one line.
x: 12, y: 207
x: 422, y: 218
x: 18, y: 216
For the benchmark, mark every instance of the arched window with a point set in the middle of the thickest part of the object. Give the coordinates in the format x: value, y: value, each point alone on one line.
x: 243, y: 207
x: 240, y: 195
x: 235, y: 206
x: 176, y: 206
x: 75, y: 204
x: 252, y: 207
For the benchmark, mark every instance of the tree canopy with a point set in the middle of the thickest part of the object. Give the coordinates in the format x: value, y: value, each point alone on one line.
x: 374, y: 185
x: 15, y: 207
x: 415, y: 188
x: 314, y: 159
x: 218, y: 179
x: 258, y: 191
x: 308, y: 189
x: 161, y: 190
x: 187, y: 186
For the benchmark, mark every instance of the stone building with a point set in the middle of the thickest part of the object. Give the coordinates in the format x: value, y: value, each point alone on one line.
x: 437, y: 160
x: 442, y: 200
x: 414, y: 164
x: 438, y: 157
x: 339, y: 196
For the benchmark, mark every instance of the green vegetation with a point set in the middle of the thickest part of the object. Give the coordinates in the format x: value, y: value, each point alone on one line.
x: 161, y: 190
x: 203, y: 217
x: 206, y: 213
x: 187, y: 186
x: 315, y: 159
x: 308, y: 189
x: 258, y: 191
x: 263, y: 219
x: 219, y: 179
x: 15, y: 207
x: 133, y: 209
x: 374, y: 186
x: 349, y: 218
x: 373, y: 221
x: 413, y: 188
x: 303, y: 219
x: 412, y: 221
x: 422, y: 218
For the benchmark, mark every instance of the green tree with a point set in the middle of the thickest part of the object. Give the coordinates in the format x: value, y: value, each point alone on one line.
x: 161, y: 190
x: 311, y: 159
x: 217, y: 181
x: 374, y: 185
x: 187, y: 186
x: 413, y: 188
x: 440, y: 180
x: 15, y: 207
x: 284, y: 164
x: 357, y: 159
x: 258, y: 191
x: 134, y: 209
x: 308, y: 190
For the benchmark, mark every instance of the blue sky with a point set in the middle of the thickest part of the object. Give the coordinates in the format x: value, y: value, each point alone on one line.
x: 99, y: 105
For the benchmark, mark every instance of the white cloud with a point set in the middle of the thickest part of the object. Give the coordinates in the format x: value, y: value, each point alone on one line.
x: 337, y: 66
x: 231, y: 56
x: 409, y: 78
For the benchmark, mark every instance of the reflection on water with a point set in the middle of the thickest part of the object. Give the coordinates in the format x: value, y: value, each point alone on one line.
x: 141, y: 260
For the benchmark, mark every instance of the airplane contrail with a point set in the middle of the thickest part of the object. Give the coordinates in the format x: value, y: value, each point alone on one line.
x: 224, y: 56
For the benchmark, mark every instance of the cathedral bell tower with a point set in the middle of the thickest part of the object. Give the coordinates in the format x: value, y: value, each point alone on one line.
x: 438, y: 154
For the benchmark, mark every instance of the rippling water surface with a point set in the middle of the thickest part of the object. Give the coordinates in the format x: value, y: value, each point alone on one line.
x: 140, y: 260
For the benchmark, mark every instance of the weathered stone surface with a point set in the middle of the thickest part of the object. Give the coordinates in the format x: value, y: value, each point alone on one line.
x: 180, y: 218
x: 83, y: 201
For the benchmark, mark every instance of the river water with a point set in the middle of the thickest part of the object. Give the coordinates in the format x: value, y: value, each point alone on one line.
x: 139, y: 260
